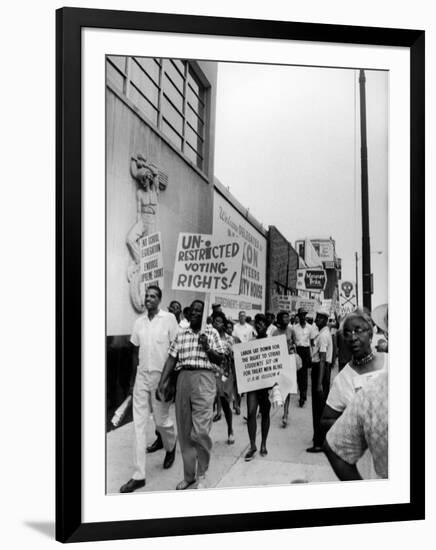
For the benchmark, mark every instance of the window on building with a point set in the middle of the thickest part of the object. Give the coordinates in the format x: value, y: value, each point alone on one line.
x: 170, y: 94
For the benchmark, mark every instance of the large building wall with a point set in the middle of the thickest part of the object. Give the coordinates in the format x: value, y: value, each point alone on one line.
x: 186, y: 205
x: 282, y: 265
x: 230, y: 219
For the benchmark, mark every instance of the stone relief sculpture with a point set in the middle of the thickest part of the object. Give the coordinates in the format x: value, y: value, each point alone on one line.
x: 149, y: 185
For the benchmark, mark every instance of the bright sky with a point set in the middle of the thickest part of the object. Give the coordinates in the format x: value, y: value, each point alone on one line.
x: 288, y: 147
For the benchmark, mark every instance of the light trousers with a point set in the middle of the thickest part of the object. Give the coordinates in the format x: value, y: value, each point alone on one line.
x: 145, y: 403
x: 195, y: 395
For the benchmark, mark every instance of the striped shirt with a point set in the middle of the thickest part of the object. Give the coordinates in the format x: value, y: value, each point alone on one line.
x: 190, y: 354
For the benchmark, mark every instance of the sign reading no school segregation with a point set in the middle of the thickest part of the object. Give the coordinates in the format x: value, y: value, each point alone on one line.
x: 206, y: 264
x: 264, y: 362
x: 151, y: 261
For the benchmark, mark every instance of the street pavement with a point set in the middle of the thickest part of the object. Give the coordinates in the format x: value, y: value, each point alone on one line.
x: 287, y: 460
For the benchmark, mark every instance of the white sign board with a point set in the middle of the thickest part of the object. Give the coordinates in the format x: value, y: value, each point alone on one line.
x: 205, y: 263
x: 264, y: 362
x: 151, y: 262
x: 284, y: 303
x: 229, y: 223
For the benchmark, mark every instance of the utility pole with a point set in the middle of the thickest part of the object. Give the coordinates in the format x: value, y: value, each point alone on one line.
x: 357, y: 277
x: 366, y: 249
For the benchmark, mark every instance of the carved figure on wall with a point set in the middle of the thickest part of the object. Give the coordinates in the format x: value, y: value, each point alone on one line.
x: 146, y: 176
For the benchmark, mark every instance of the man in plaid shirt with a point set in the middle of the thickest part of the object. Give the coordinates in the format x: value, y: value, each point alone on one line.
x: 194, y: 353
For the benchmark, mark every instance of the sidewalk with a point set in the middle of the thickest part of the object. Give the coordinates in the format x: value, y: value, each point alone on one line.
x: 287, y: 460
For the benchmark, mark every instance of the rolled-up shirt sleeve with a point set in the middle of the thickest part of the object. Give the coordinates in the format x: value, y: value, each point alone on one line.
x: 215, y: 342
x: 174, y: 347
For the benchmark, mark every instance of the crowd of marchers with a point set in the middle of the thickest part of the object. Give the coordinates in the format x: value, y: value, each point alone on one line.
x: 183, y: 362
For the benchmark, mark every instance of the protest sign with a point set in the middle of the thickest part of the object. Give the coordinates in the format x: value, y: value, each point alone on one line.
x: 151, y: 262
x: 308, y: 304
x: 262, y: 363
x: 284, y: 303
x: 205, y: 264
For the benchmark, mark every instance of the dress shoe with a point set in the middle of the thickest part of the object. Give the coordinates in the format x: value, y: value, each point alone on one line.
x: 156, y: 445
x: 169, y: 458
x: 132, y: 485
x: 201, y: 482
x: 314, y: 449
x: 250, y: 455
x: 182, y: 485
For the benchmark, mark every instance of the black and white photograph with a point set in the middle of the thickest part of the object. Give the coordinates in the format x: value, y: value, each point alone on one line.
x: 247, y: 254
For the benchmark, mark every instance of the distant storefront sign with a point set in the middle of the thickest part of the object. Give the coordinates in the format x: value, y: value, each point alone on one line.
x: 291, y: 304
x: 325, y: 249
x: 311, y: 279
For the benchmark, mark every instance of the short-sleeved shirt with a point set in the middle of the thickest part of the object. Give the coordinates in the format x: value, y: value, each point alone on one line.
x: 323, y: 343
x: 303, y: 335
x: 154, y: 338
x: 364, y: 425
x: 347, y: 383
x: 270, y: 330
x: 289, y: 333
x: 188, y: 351
x: 244, y: 332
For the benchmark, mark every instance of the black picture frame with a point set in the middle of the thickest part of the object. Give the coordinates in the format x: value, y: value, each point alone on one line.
x: 69, y: 23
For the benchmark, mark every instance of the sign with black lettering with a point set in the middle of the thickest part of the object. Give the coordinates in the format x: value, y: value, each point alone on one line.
x: 229, y: 223
x: 261, y: 363
x: 151, y: 261
x: 311, y: 279
x: 206, y: 264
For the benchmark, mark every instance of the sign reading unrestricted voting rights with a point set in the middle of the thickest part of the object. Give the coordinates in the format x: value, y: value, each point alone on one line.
x: 229, y: 223
x: 206, y: 264
x: 151, y: 262
x: 261, y: 363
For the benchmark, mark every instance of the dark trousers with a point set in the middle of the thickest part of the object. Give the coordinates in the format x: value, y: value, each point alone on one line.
x: 302, y: 374
x: 255, y: 399
x: 318, y: 402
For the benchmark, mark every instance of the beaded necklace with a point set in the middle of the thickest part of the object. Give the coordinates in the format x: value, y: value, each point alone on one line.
x: 364, y: 361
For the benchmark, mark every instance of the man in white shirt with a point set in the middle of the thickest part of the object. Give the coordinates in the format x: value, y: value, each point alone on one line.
x: 321, y: 365
x: 243, y: 330
x: 184, y: 323
x: 303, y: 335
x: 151, y: 337
x: 271, y: 328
